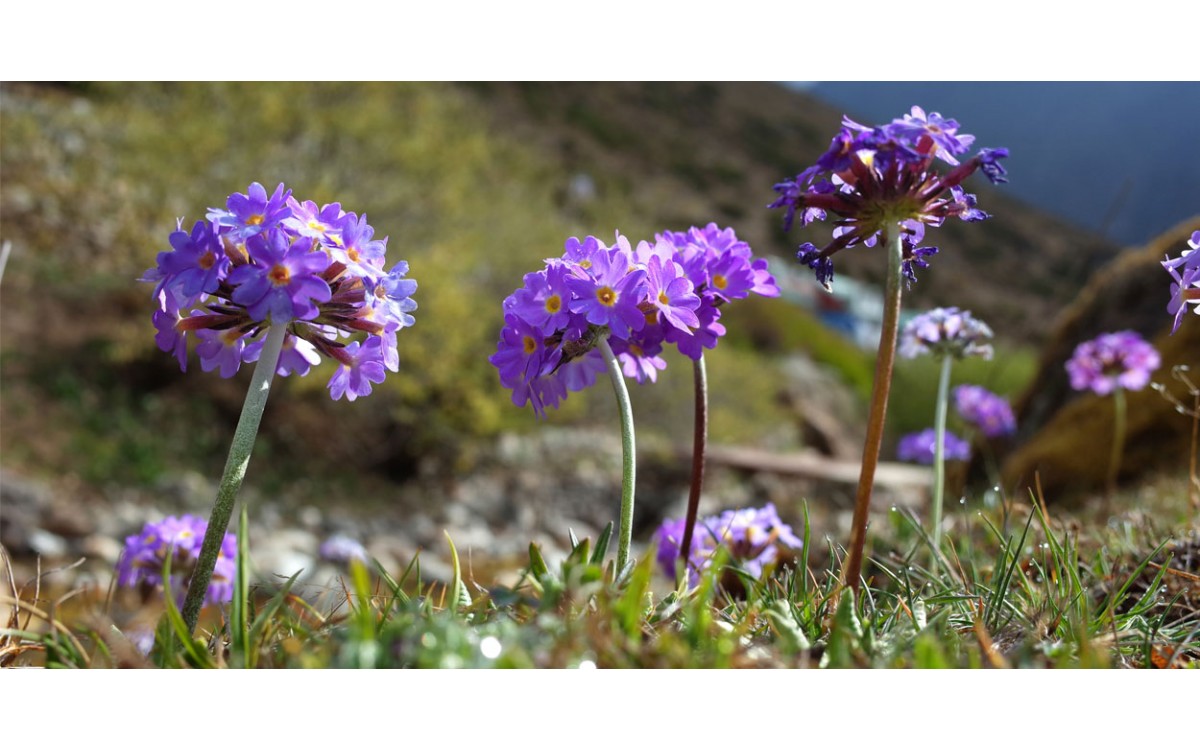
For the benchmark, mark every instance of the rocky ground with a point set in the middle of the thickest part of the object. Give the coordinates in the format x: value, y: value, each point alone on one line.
x: 534, y: 487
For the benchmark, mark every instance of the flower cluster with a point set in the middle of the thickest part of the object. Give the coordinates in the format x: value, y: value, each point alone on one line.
x: 639, y: 299
x: 268, y: 260
x: 753, y: 538
x: 919, y: 447
x: 341, y: 549
x: 882, y: 179
x: 946, y: 332
x: 177, y: 537
x: 1185, y: 289
x: 1113, y: 360
x: 984, y: 409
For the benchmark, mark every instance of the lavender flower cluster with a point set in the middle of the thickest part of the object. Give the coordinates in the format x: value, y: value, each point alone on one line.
x: 1185, y: 289
x: 984, y: 409
x: 878, y: 179
x: 754, y: 539
x: 946, y: 332
x: 638, y: 299
x: 177, y: 537
x: 1113, y: 360
x: 268, y: 260
x: 919, y: 447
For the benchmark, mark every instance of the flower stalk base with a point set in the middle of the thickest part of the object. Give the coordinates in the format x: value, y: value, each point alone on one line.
x: 235, y: 472
x: 852, y: 570
x: 699, y: 444
x: 628, y: 453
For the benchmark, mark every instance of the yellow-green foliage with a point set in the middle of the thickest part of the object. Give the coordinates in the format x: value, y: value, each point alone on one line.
x: 95, y: 180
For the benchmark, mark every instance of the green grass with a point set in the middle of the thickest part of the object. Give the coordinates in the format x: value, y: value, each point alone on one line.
x: 1033, y: 594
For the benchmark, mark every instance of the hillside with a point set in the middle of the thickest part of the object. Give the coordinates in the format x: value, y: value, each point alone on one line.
x: 682, y: 150
x: 473, y: 183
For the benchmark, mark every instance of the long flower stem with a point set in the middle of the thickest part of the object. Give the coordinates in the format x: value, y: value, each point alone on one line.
x: 628, y: 455
x: 1118, y: 445
x: 699, y: 443
x: 235, y: 472
x: 939, y: 454
x: 890, y: 327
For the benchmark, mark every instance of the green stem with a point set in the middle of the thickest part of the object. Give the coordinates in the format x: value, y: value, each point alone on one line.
x: 1118, y: 445
x: 628, y: 456
x: 939, y: 454
x: 699, y: 442
x: 235, y: 472
x: 884, y: 363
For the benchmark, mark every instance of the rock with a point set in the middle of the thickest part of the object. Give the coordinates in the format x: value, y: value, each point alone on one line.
x: 1065, y: 437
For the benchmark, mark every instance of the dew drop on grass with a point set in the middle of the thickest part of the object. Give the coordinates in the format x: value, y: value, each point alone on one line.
x: 490, y: 647
x: 893, y: 508
x: 962, y: 501
x: 587, y: 664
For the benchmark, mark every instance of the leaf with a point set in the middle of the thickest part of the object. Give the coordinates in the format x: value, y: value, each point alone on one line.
x: 459, y: 597
x: 537, y: 564
x: 602, y: 545
x: 779, y: 615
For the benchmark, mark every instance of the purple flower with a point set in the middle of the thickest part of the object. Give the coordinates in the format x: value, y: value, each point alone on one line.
x: 989, y: 412
x: 946, y: 332
x: 226, y: 350
x: 247, y: 214
x: 1113, y: 360
x: 1185, y: 290
x: 283, y: 280
x: 273, y: 260
x: 322, y: 224
x: 341, y: 549
x: 361, y: 365
x: 671, y: 293
x: 919, y: 447
x: 754, y: 539
x: 178, y: 537
x: 196, y: 265
x: 882, y: 180
x: 610, y: 292
x: 361, y: 255
x: 638, y: 300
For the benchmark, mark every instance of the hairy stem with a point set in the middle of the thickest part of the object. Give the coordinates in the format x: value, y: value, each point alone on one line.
x: 628, y: 456
x: 1118, y: 445
x: 852, y: 570
x: 699, y: 443
x: 235, y: 472
x: 939, y: 454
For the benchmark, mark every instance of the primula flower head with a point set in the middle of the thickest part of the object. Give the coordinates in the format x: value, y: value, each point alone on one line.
x: 919, y: 447
x: 341, y: 549
x: 638, y: 299
x: 271, y: 260
x: 178, y: 537
x: 754, y: 538
x: 984, y: 409
x: 881, y: 180
x: 1113, y: 360
x: 946, y: 332
x: 1185, y: 289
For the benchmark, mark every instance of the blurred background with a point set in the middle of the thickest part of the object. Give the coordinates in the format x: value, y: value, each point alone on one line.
x: 475, y: 184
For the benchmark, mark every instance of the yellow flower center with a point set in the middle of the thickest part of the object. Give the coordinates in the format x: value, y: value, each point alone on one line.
x: 530, y: 345
x: 279, y: 275
x: 663, y: 298
x: 207, y: 260
x: 607, y: 296
x: 719, y: 281
x: 553, y: 303
x: 255, y: 220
